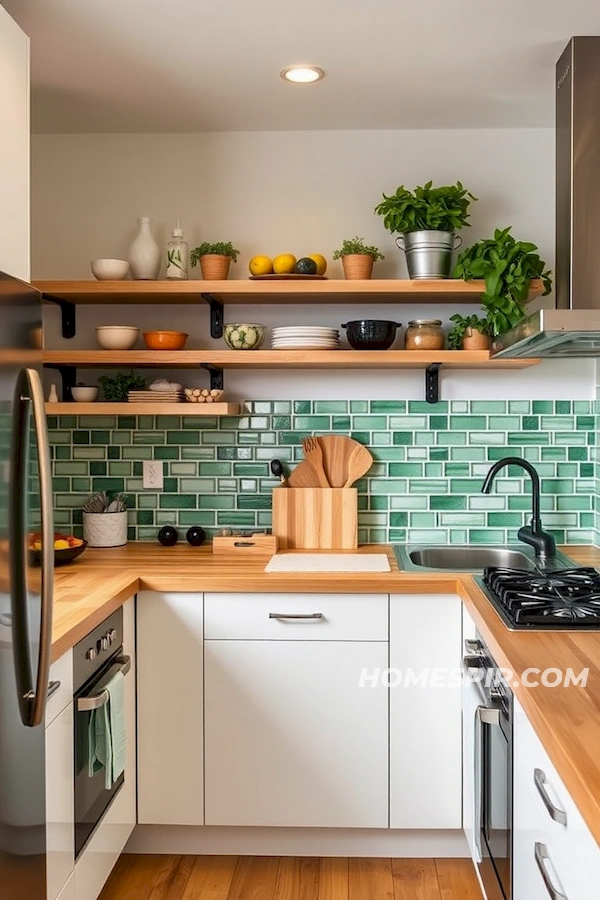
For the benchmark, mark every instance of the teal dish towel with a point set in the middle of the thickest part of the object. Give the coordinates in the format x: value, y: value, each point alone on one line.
x: 107, y: 742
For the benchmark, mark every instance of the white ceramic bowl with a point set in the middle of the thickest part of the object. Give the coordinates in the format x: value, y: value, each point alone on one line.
x: 84, y: 394
x: 117, y: 337
x: 110, y: 269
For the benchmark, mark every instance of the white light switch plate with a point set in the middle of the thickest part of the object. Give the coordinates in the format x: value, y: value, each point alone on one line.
x: 152, y: 474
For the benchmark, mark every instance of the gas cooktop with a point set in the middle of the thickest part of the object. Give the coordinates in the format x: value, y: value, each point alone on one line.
x: 567, y: 599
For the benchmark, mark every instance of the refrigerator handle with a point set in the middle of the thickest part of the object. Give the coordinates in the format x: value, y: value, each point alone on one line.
x: 29, y: 399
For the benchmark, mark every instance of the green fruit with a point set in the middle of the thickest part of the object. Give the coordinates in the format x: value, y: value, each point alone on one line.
x: 305, y: 266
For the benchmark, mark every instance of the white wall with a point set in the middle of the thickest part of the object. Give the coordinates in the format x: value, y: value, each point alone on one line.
x: 301, y: 192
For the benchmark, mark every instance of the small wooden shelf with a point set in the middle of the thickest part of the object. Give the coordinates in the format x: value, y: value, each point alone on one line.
x: 143, y: 409
x: 282, y: 359
x: 380, y: 290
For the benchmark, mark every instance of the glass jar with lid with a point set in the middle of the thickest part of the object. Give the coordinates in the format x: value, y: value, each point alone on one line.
x: 424, y: 334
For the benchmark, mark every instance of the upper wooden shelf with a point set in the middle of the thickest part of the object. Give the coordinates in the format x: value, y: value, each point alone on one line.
x: 284, y: 359
x: 384, y: 290
x: 142, y: 409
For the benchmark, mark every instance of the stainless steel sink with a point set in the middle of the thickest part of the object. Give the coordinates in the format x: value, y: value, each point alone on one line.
x: 465, y: 558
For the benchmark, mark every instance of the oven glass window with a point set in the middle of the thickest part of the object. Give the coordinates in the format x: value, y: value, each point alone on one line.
x: 496, y: 807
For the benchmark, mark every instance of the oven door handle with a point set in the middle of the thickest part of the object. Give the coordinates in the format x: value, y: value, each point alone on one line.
x: 96, y: 701
x: 488, y: 715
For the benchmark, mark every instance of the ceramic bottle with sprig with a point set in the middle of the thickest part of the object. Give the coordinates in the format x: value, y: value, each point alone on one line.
x: 177, y: 255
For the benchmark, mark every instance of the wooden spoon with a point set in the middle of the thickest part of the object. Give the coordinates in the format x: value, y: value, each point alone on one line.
x: 313, y: 452
x: 303, y: 476
x: 358, y: 465
x: 336, y: 455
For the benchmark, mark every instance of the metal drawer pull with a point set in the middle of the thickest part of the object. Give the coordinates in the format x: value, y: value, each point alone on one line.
x: 540, y: 781
x: 296, y: 616
x: 53, y: 686
x: 541, y: 855
x: 86, y: 704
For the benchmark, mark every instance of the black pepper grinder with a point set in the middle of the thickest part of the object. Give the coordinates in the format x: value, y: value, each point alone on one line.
x: 168, y: 536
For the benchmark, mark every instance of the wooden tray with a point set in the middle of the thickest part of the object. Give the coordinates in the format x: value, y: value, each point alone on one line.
x: 289, y: 276
x: 236, y: 545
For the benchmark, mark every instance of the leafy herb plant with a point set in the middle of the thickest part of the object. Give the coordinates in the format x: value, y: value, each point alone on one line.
x: 219, y: 249
x: 116, y: 387
x: 508, y: 267
x: 357, y: 245
x: 461, y: 326
x: 426, y: 208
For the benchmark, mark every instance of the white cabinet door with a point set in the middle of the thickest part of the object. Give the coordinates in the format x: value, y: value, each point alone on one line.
x: 425, y: 716
x: 14, y: 148
x: 170, y: 718
x: 60, y: 827
x: 291, y: 737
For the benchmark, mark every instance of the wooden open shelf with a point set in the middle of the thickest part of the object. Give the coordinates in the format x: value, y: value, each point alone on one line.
x: 381, y: 290
x: 143, y: 409
x: 283, y: 359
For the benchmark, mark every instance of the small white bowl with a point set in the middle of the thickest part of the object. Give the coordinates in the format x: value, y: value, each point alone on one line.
x: 84, y: 394
x: 110, y: 269
x: 117, y: 337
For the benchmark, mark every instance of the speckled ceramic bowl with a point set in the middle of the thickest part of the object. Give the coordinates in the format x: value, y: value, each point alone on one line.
x: 244, y: 336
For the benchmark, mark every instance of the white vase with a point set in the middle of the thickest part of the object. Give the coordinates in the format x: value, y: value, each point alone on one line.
x: 144, y: 253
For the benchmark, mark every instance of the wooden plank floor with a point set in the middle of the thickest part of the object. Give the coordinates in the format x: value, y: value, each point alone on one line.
x: 289, y: 878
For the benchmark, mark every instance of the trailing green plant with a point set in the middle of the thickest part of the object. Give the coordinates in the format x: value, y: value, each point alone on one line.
x: 508, y: 267
x: 116, y: 387
x: 220, y: 248
x: 462, y: 324
x: 357, y: 245
x: 427, y: 208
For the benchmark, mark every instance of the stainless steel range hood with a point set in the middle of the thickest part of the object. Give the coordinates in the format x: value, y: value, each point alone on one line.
x: 573, y: 328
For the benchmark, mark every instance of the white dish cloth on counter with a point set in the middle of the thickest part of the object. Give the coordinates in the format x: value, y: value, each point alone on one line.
x: 328, y: 562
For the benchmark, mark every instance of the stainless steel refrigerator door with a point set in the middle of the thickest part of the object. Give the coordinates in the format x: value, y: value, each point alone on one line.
x: 25, y: 597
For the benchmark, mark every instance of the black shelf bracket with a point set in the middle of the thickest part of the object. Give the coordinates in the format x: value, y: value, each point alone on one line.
x: 216, y: 376
x: 67, y: 315
x: 68, y: 376
x: 432, y: 383
x: 216, y: 315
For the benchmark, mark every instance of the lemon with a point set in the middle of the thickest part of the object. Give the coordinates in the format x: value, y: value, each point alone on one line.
x: 261, y: 265
x: 284, y: 263
x: 320, y: 261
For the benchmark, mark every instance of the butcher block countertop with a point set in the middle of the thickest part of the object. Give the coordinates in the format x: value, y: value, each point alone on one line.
x: 567, y: 720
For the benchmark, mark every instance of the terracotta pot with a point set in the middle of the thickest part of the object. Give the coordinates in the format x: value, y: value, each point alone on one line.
x: 475, y: 340
x: 357, y: 266
x: 215, y: 267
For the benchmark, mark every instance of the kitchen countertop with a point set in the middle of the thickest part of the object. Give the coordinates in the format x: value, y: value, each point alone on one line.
x: 567, y: 720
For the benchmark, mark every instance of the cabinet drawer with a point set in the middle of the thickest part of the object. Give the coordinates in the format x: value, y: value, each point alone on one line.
x: 296, y: 617
x: 573, y: 847
x: 61, y: 672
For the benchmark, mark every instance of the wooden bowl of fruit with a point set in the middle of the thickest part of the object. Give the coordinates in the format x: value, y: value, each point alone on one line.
x: 66, y: 548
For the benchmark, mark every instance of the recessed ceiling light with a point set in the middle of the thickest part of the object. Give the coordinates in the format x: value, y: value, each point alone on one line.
x: 302, y: 74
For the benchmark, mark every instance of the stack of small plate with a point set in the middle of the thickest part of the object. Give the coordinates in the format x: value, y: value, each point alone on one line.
x: 156, y: 396
x: 305, y: 337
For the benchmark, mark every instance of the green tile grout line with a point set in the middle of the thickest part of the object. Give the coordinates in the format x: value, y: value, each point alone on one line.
x: 430, y: 461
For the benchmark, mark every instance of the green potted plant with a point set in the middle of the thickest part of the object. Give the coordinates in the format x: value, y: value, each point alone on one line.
x: 357, y: 258
x: 469, y: 333
x: 214, y: 259
x: 508, y: 267
x: 425, y: 221
x: 115, y: 389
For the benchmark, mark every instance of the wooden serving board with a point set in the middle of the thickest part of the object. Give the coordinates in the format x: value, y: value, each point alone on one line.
x: 316, y: 518
x: 287, y: 276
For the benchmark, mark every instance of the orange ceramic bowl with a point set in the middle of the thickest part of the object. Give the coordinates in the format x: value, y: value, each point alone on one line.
x: 165, y: 340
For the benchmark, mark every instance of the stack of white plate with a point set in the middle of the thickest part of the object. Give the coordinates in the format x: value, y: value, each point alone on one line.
x: 305, y: 337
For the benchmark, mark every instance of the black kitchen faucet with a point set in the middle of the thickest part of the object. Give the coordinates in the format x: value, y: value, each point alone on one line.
x: 534, y: 535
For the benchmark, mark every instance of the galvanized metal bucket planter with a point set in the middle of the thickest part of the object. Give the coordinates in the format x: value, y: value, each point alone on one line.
x: 429, y: 253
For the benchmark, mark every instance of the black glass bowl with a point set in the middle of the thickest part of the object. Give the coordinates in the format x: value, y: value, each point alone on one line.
x: 371, y: 334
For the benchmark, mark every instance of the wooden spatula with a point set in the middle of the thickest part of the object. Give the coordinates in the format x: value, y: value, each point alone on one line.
x: 303, y: 476
x: 313, y: 452
x: 358, y: 465
x: 336, y: 455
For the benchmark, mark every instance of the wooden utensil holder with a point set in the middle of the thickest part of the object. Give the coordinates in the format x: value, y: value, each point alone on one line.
x: 316, y: 518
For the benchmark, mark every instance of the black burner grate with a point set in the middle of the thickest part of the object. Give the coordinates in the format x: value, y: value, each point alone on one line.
x: 566, y: 599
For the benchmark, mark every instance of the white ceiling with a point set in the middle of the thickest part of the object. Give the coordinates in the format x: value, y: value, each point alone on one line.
x: 194, y: 65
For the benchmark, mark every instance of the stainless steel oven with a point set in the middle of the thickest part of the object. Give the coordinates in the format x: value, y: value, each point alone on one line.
x: 488, y: 723
x: 95, y: 661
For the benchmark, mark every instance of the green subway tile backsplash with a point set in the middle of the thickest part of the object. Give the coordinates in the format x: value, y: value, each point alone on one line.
x: 425, y: 486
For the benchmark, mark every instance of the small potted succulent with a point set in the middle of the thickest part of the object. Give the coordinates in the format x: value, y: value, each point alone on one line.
x: 357, y: 259
x: 469, y: 333
x: 508, y: 267
x: 214, y: 259
x: 425, y: 221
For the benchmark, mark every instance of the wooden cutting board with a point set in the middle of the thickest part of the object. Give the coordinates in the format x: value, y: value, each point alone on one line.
x: 315, y: 518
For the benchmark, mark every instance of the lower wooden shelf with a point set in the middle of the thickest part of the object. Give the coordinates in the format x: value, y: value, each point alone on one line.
x: 143, y: 409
